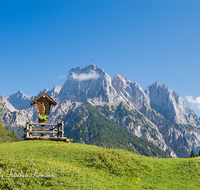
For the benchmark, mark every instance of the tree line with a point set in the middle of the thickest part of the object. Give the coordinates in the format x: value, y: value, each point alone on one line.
x: 192, y: 155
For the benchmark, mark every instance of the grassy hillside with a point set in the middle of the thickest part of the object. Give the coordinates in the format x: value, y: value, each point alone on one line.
x: 90, y: 126
x: 79, y: 166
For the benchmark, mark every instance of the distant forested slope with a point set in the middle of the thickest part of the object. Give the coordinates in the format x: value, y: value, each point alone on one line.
x: 5, y: 134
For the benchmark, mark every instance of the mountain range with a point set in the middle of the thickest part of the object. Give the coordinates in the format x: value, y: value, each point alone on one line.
x: 157, y: 115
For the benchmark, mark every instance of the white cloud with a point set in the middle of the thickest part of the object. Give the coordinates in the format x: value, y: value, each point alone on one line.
x: 190, y: 99
x: 193, y: 101
x: 62, y: 76
x: 85, y: 76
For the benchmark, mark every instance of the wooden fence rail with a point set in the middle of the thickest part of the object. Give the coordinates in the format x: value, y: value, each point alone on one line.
x: 57, y: 132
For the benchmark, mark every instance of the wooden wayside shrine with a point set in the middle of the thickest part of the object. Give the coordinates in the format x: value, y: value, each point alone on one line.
x: 55, y: 132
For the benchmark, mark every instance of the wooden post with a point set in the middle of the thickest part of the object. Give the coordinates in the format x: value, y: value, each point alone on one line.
x: 53, y: 131
x: 30, y: 127
x: 42, y: 129
x: 58, y: 129
x: 27, y: 129
x: 62, y: 129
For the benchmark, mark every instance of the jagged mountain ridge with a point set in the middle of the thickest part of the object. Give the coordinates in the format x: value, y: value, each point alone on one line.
x: 19, y: 100
x: 131, y: 92
x: 94, y: 85
x: 170, y: 105
x: 89, y: 83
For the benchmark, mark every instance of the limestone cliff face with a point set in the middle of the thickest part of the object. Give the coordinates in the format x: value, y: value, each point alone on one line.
x: 170, y: 105
x: 132, y: 93
x: 13, y: 118
x: 6, y: 104
x: 158, y: 114
x: 181, y: 138
x: 89, y: 83
x: 19, y: 100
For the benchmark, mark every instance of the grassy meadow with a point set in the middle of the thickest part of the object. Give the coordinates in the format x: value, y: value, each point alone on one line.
x: 58, y: 165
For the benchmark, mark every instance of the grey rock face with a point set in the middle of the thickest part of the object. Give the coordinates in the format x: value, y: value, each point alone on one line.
x: 131, y: 92
x: 54, y: 92
x: 13, y: 118
x: 19, y: 100
x: 181, y: 138
x: 6, y: 103
x: 170, y: 105
x: 89, y: 83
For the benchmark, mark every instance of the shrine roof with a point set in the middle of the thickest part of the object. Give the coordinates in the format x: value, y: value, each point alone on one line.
x: 44, y: 95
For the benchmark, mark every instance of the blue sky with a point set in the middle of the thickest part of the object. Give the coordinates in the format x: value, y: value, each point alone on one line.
x: 147, y: 41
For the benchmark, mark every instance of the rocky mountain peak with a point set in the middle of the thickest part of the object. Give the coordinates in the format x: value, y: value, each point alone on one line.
x: 89, y: 83
x: 56, y: 89
x: 121, y: 81
x: 52, y: 92
x: 18, y: 94
x: 169, y: 104
x: 20, y: 100
x: 131, y: 92
x: 156, y: 84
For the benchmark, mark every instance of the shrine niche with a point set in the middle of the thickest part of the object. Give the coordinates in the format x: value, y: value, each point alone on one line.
x: 43, y: 105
